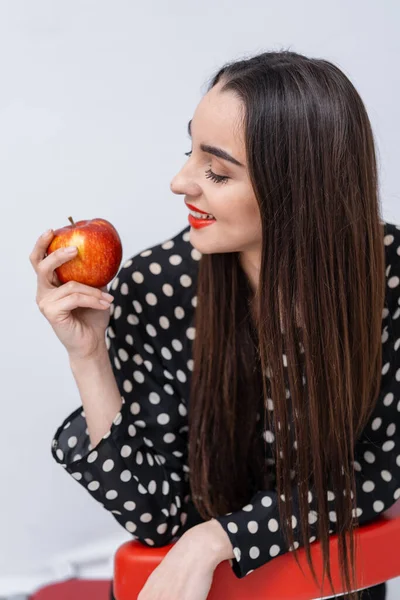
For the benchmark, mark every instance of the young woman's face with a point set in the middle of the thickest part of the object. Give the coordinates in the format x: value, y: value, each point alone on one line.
x: 237, y: 227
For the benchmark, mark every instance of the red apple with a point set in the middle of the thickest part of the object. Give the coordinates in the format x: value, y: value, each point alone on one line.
x: 99, y: 252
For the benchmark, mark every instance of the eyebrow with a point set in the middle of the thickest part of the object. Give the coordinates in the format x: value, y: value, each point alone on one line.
x: 214, y: 150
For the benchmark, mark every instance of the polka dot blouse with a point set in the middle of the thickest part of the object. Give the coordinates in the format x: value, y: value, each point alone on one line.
x: 139, y: 472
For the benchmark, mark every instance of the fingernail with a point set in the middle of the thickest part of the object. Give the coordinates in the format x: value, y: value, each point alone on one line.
x: 46, y: 233
x: 71, y: 249
x: 107, y: 296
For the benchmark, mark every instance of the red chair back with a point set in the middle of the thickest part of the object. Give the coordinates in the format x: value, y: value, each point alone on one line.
x: 281, y: 578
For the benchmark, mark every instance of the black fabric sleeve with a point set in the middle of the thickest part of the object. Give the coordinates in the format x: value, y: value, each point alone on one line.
x: 138, y: 470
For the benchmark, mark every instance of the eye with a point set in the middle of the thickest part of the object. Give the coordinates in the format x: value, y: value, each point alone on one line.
x: 211, y: 175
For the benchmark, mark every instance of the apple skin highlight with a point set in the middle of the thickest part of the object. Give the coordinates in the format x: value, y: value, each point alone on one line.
x: 99, y: 252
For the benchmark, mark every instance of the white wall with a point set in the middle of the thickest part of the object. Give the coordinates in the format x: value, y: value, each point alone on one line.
x: 94, y: 103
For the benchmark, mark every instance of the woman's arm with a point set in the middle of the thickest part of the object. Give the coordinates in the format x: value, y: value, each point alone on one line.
x: 99, y: 392
x: 137, y: 466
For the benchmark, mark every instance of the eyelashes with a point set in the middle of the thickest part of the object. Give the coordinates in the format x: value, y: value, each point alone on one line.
x: 211, y: 175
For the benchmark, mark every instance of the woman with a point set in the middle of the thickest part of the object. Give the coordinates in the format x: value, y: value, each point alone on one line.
x: 244, y: 401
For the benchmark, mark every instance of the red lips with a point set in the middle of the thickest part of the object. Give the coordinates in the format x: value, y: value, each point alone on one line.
x: 196, y: 209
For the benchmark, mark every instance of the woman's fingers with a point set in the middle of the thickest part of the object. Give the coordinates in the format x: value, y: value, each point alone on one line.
x: 45, y: 266
x: 74, y: 287
x: 57, y: 311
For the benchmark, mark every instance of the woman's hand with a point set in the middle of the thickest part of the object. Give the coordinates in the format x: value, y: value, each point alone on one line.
x: 186, y: 572
x: 74, y: 310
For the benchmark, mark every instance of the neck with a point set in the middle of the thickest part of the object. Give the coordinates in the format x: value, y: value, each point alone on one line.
x: 250, y: 262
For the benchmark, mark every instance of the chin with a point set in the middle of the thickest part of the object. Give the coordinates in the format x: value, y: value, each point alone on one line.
x: 206, y: 244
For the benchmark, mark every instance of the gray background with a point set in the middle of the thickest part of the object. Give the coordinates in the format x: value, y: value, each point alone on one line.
x: 94, y: 104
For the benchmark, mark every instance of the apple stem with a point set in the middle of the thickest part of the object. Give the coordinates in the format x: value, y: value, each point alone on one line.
x: 71, y: 221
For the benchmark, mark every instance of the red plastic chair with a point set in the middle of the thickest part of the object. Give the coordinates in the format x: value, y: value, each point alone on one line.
x: 281, y: 579
x: 75, y: 589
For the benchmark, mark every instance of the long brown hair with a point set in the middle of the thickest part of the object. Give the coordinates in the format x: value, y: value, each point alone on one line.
x: 312, y: 164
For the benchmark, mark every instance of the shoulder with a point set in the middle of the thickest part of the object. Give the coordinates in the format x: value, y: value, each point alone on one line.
x: 392, y: 259
x: 158, y: 277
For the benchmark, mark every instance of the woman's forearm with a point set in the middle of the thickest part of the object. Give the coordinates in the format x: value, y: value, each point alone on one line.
x: 99, y: 392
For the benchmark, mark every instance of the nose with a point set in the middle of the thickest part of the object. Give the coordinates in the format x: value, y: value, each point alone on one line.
x: 183, y: 183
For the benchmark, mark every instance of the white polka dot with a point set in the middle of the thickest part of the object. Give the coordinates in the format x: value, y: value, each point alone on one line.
x: 72, y: 441
x: 312, y: 517
x: 126, y: 451
x: 232, y: 527
x: 135, y: 408
x: 378, y: 506
x: 93, y: 486
x: 369, y: 457
x: 195, y: 254
x: 266, y: 501
x: 169, y: 437
x: 391, y: 430
x: 155, y: 268
x: 111, y: 494
x: 269, y: 437
x: 332, y: 516
x: 126, y: 475
x: 132, y: 319
x: 152, y: 487
x: 154, y: 398
x: 165, y: 488
x: 185, y: 280
x: 146, y: 517
x: 130, y: 526
x: 387, y: 446
x: 129, y: 505
x: 108, y: 465
x: 166, y: 353
x: 138, y: 376
x: 237, y: 553
x: 92, y: 456
x: 388, y: 399
x: 248, y: 508
x: 175, y: 259
x: 163, y: 419
x: 164, y: 322
x: 273, y: 525
x: 137, y: 277
x: 77, y: 476
x: 386, y: 476
x: 252, y: 526
x: 254, y: 552
x: 179, y: 312
x: 168, y: 289
x: 177, y: 345
x: 191, y: 332
x: 151, y: 299
x: 182, y: 410
x: 274, y: 550
x: 151, y: 330
x: 368, y: 486
x: 162, y: 528
x: 376, y: 423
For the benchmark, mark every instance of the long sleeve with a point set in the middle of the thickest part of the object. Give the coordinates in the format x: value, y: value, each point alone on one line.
x: 138, y: 470
x: 255, y: 531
